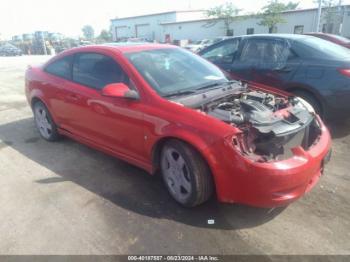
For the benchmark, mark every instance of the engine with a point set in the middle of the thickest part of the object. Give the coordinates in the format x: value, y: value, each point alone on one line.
x: 272, y: 125
x: 265, y: 112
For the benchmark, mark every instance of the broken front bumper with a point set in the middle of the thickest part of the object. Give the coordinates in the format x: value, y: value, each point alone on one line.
x: 270, y: 184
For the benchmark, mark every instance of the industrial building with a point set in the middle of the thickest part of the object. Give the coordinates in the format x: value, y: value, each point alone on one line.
x: 194, y: 25
x: 151, y: 26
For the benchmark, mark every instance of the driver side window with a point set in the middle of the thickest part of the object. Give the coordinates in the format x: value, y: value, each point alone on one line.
x: 97, y: 70
x: 224, y: 53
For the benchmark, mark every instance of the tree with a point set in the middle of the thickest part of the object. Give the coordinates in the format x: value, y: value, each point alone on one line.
x: 105, y: 36
x: 88, y: 32
x: 292, y: 6
x: 227, y: 12
x: 272, y: 13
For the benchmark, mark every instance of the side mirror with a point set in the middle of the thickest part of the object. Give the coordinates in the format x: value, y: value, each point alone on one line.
x: 120, y: 90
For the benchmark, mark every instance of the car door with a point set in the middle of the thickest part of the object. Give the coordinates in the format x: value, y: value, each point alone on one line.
x: 114, y: 123
x: 273, y: 62
x: 223, y: 54
x: 58, y: 75
x: 246, y: 61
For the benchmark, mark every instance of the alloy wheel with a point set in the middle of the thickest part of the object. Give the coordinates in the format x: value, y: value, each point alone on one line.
x: 42, y: 121
x: 176, y: 174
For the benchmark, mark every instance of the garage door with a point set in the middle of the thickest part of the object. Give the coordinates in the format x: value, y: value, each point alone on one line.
x: 121, y: 32
x: 143, y: 31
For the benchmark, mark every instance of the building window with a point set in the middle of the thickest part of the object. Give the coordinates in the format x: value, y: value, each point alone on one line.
x: 229, y: 32
x: 298, y: 29
x: 250, y: 31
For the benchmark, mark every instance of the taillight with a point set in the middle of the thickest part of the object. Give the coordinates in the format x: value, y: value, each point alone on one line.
x: 344, y: 71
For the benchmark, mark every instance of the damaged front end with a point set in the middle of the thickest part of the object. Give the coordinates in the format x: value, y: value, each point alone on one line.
x: 271, y: 125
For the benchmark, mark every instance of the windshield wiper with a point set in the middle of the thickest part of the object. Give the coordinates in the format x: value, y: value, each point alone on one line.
x: 210, y: 85
x: 180, y: 93
x: 202, y: 87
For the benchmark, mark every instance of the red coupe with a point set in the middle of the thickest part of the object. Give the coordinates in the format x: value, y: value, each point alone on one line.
x: 163, y: 108
x: 337, y: 39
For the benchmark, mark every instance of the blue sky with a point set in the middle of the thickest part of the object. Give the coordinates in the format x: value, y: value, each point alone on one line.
x: 68, y: 16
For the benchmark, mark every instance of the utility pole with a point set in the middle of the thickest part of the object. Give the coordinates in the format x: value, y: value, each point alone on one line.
x: 189, y: 4
x: 41, y: 38
x: 319, y: 15
x: 341, y: 15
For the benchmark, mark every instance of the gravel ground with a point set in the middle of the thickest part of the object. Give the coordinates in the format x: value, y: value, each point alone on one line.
x: 65, y: 198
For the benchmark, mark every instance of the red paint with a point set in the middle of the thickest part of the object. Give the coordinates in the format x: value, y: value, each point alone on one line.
x: 331, y: 38
x: 130, y: 130
x: 344, y: 71
x: 115, y: 90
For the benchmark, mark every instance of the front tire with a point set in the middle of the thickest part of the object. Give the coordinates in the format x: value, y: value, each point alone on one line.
x: 44, y: 122
x: 185, y: 174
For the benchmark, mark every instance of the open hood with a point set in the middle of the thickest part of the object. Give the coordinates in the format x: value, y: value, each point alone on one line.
x: 271, y: 125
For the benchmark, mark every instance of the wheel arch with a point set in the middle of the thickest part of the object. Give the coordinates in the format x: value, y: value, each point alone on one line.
x: 36, y: 95
x: 34, y: 100
x: 156, y: 151
x: 157, y: 147
x: 38, y: 98
x: 309, y: 91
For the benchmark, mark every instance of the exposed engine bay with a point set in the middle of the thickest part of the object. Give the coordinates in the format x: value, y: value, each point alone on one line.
x: 271, y: 125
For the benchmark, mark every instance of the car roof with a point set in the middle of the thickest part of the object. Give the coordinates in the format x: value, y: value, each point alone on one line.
x: 318, y: 33
x: 124, y: 47
x: 285, y: 36
x: 272, y: 36
x: 293, y: 37
x: 120, y: 48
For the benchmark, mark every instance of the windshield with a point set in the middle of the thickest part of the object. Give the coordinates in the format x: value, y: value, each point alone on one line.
x: 175, y: 70
x: 319, y: 48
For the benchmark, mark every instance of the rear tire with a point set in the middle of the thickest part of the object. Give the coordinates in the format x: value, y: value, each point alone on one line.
x: 44, y: 122
x: 185, y: 174
x: 311, y: 100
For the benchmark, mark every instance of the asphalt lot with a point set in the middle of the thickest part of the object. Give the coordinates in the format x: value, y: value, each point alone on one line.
x: 65, y: 198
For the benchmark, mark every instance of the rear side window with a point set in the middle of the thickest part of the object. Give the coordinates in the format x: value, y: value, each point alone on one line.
x: 222, y: 53
x: 61, y: 67
x: 97, y: 70
x: 266, y: 52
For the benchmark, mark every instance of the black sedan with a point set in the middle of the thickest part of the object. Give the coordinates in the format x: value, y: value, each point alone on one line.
x: 9, y: 50
x: 309, y: 67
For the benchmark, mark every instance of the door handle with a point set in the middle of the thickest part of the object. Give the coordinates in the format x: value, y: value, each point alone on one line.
x: 285, y: 69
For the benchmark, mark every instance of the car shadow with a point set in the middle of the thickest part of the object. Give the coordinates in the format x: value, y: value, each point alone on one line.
x: 121, y: 183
